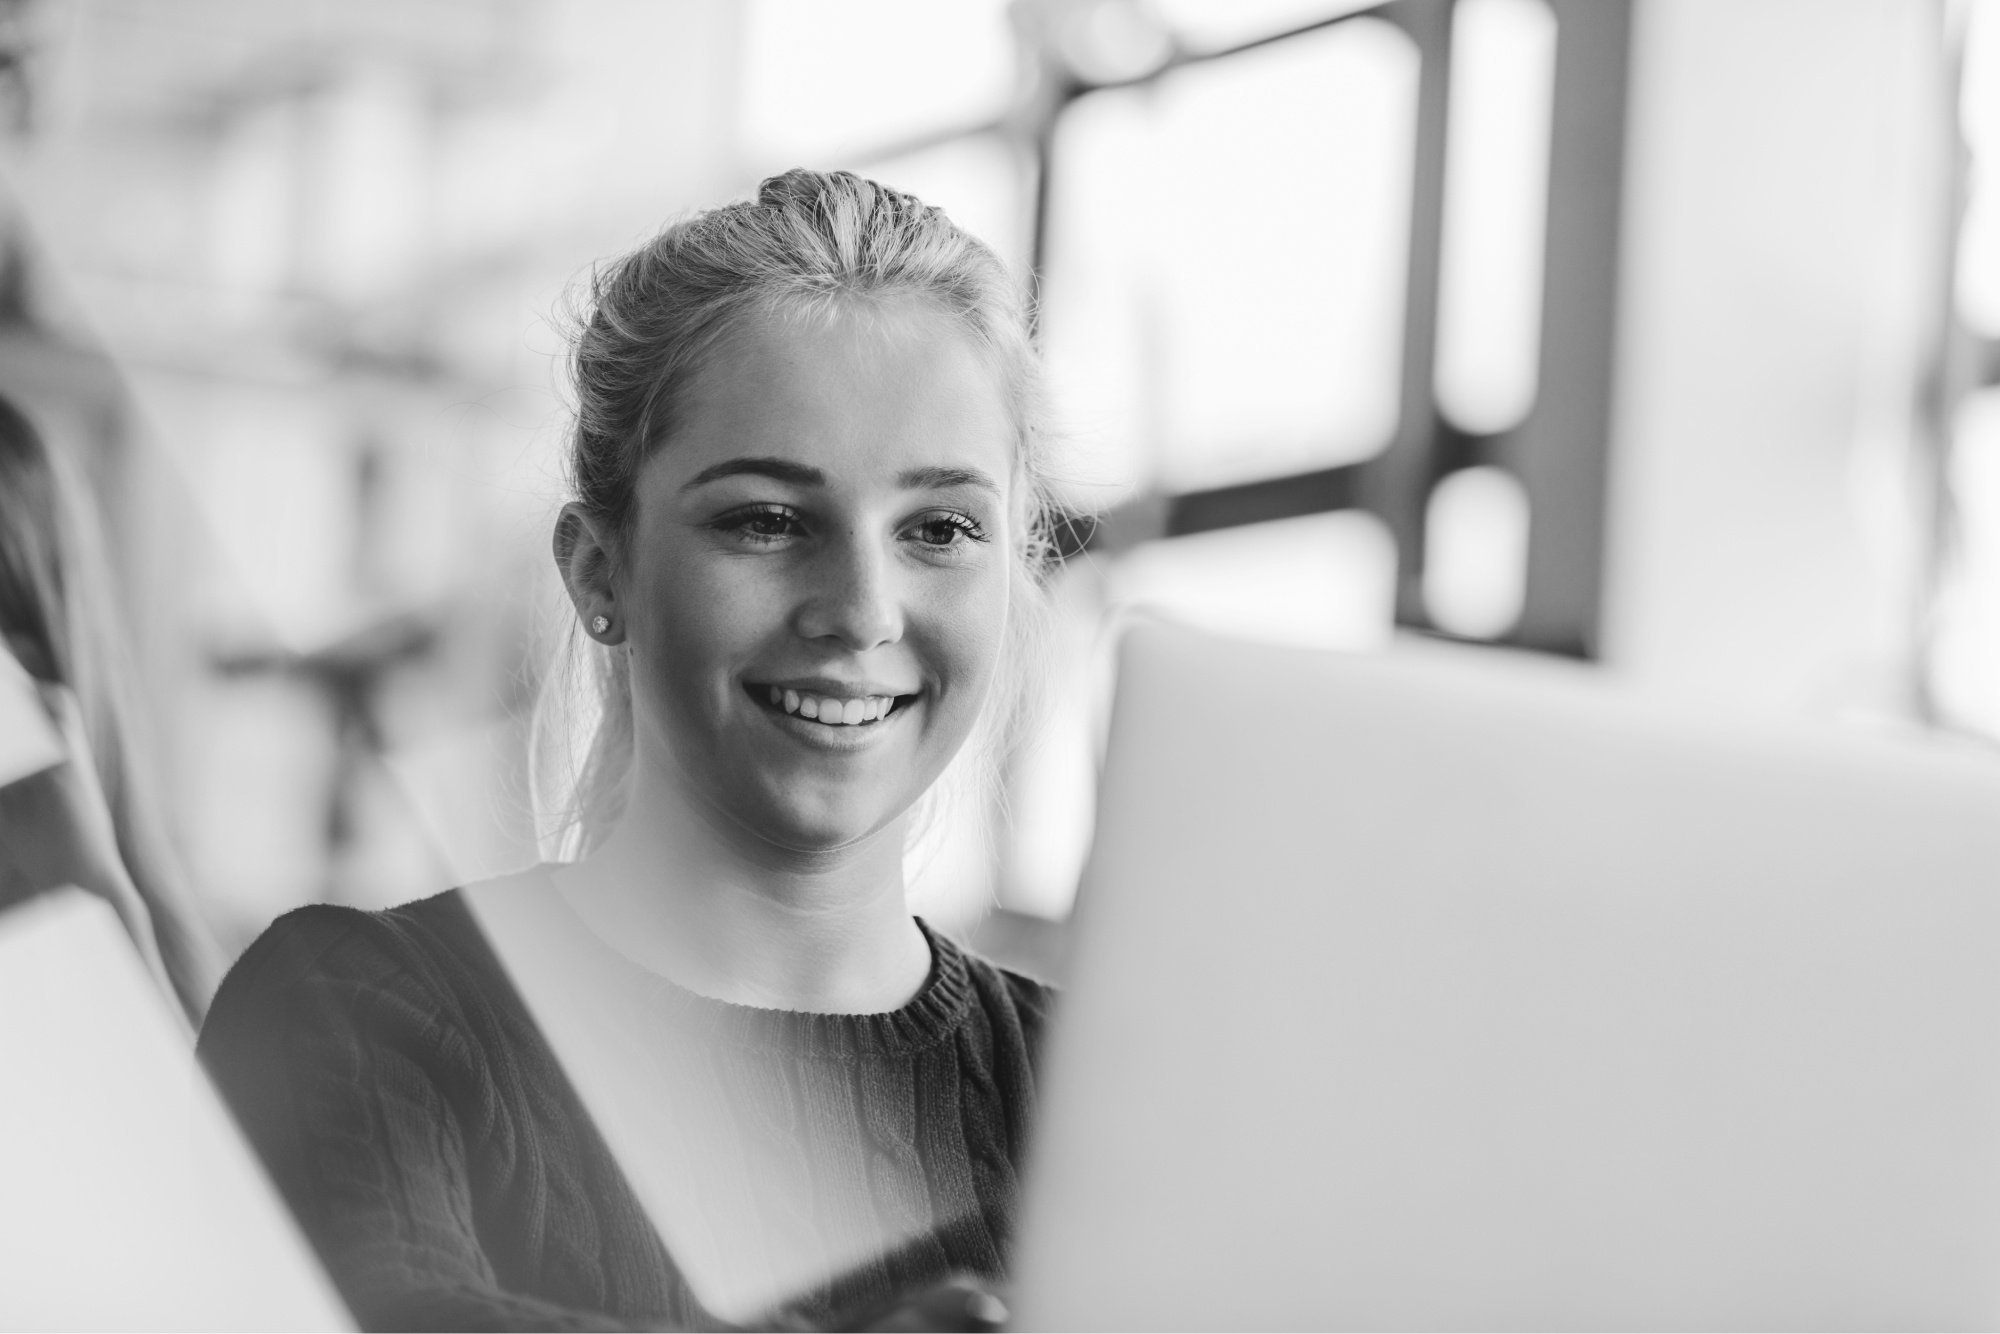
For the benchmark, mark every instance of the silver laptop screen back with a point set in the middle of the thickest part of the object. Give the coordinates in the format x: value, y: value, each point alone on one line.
x: 1436, y: 993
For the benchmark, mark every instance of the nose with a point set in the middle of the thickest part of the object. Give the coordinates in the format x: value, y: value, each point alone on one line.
x: 852, y: 595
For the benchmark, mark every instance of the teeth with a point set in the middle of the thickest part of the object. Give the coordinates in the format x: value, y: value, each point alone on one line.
x: 833, y: 712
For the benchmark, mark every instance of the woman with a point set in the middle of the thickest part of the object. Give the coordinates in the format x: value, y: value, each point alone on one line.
x: 808, y: 488
x: 90, y: 822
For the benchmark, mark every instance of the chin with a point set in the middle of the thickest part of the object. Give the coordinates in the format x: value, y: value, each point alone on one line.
x: 818, y: 827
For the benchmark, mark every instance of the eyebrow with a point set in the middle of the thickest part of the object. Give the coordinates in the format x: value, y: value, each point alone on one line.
x: 799, y: 474
x: 782, y: 470
x: 937, y: 479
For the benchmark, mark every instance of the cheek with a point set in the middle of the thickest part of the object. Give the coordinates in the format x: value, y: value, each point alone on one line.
x: 969, y: 629
x: 688, y: 621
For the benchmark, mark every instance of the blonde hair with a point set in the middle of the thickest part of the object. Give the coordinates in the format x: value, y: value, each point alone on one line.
x: 810, y: 244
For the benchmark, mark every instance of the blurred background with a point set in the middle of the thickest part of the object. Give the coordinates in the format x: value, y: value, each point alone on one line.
x: 1664, y: 334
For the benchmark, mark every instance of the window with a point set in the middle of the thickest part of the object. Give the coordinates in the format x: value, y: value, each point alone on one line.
x: 1301, y: 336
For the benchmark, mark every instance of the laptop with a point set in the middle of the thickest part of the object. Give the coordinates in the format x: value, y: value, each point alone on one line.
x: 1454, y: 989
x: 128, y: 1199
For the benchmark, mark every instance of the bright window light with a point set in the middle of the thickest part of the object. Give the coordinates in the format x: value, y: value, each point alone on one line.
x: 1476, y: 553
x: 1966, y: 671
x: 1979, y: 118
x: 1317, y: 581
x: 1100, y: 338
x: 1227, y: 262
x: 825, y: 79
x: 979, y: 181
x: 1206, y: 25
x: 1496, y: 209
x: 1284, y: 249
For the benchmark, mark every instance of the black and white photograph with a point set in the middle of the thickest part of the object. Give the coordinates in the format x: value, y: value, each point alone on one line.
x: 999, y: 665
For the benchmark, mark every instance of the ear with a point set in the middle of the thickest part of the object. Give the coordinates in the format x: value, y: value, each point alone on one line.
x: 585, y: 558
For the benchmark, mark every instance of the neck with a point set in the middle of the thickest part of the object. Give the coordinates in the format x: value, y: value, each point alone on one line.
x: 756, y: 925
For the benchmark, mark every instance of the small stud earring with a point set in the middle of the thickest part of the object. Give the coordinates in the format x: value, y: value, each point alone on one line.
x: 599, y: 624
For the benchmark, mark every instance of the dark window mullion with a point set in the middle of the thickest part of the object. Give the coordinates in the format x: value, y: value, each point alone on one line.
x: 1397, y: 484
x: 1561, y: 454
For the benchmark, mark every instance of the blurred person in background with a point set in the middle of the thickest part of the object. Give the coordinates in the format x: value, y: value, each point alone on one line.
x: 94, y: 821
x: 804, y: 549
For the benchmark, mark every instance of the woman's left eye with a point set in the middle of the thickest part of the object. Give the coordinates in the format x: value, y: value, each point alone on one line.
x: 946, y: 528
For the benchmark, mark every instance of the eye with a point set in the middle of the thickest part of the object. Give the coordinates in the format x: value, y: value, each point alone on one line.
x: 760, y: 525
x: 944, y: 529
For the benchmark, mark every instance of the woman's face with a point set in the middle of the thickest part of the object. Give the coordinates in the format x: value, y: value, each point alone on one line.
x: 815, y: 589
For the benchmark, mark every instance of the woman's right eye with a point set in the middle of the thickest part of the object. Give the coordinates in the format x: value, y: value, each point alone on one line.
x: 762, y: 525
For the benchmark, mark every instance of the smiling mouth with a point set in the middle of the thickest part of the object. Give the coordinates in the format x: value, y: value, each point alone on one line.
x: 828, y: 710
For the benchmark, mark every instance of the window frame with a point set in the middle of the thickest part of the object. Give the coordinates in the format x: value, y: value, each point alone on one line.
x: 1559, y: 453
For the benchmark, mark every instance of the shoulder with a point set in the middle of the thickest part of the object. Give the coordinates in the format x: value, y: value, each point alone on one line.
x: 329, y: 978
x: 1013, y: 986
x: 1016, y: 990
x: 327, y: 943
x: 334, y: 1011
x: 1012, y: 1008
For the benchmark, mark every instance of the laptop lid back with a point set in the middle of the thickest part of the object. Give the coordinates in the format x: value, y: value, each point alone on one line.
x: 1432, y: 992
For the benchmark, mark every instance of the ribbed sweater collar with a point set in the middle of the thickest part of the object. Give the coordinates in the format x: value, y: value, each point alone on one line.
x: 926, y: 1019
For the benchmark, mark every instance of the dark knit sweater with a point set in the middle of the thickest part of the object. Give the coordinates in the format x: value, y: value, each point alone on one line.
x: 416, y: 1119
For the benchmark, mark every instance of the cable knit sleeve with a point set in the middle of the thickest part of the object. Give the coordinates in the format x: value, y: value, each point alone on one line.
x: 354, y: 1073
